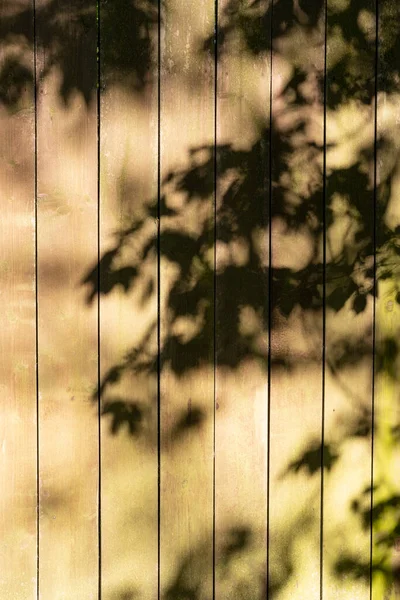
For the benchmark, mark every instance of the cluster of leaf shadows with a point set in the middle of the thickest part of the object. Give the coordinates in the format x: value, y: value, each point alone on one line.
x: 56, y: 28
x: 251, y: 196
x: 225, y: 283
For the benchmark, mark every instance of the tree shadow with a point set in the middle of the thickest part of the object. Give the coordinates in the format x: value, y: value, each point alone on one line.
x: 240, y: 571
x: 244, y: 217
x: 126, y: 59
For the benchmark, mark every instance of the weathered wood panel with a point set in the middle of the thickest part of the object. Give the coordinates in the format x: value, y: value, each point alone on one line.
x: 241, y: 327
x: 386, y: 491
x: 128, y: 289
x: 67, y: 327
x: 18, y: 498
x: 186, y: 300
x: 349, y: 240
x: 296, y: 221
x: 217, y: 299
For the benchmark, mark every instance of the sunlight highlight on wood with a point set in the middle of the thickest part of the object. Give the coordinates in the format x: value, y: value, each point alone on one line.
x: 385, y: 557
x: 128, y: 302
x: 18, y: 497
x: 243, y: 97
x: 67, y: 329
x: 187, y: 375
x: 214, y: 326
x: 349, y: 310
x: 296, y: 339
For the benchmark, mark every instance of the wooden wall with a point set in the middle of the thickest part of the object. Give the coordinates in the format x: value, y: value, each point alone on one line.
x: 200, y: 300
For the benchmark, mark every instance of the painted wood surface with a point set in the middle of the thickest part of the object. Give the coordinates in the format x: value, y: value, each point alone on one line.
x: 199, y: 264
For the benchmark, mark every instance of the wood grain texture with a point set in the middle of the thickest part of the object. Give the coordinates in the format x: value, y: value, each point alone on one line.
x: 18, y: 498
x: 242, y: 212
x: 67, y: 329
x: 386, y: 491
x: 298, y: 48
x: 128, y: 299
x: 200, y: 372
x: 187, y: 300
x: 349, y: 206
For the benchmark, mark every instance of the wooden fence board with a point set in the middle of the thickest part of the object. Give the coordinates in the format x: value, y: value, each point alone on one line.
x: 386, y: 491
x: 199, y: 374
x: 349, y: 206
x: 18, y: 498
x: 242, y: 205
x: 67, y: 327
x: 187, y: 307
x: 298, y: 48
x: 128, y: 299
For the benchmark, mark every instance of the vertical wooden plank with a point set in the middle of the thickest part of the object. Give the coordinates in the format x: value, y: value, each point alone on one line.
x: 17, y: 283
x: 349, y: 257
x: 187, y: 300
x: 128, y: 298
x: 242, y: 146
x: 386, y: 465
x: 298, y: 48
x: 67, y: 328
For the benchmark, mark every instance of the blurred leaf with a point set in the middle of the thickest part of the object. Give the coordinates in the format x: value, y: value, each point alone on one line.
x: 359, y: 303
x: 311, y: 460
x: 124, y: 413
